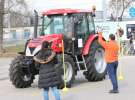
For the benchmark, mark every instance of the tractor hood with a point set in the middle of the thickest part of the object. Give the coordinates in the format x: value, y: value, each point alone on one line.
x: 34, y: 45
x: 38, y: 41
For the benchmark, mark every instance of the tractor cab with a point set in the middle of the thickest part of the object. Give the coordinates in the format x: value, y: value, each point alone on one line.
x: 74, y: 25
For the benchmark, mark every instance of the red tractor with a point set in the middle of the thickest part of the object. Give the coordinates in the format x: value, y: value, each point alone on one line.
x: 81, y: 48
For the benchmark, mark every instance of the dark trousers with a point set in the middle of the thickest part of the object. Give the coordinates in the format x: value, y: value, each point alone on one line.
x: 112, y: 71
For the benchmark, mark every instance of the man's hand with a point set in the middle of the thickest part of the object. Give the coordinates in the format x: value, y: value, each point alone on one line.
x: 100, y: 34
x: 99, y: 29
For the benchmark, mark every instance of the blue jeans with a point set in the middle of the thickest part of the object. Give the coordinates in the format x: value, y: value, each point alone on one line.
x: 55, y: 93
x: 112, y: 71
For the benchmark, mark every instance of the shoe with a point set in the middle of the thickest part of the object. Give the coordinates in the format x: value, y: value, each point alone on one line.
x: 113, y: 91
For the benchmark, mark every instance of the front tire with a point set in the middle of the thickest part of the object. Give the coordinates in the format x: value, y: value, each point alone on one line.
x: 17, y: 76
x: 70, y: 70
x: 95, y: 63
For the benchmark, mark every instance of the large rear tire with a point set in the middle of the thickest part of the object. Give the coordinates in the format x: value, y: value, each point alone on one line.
x: 70, y: 70
x: 17, y: 75
x: 95, y: 63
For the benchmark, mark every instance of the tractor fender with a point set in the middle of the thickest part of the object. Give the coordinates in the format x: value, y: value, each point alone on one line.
x: 88, y: 43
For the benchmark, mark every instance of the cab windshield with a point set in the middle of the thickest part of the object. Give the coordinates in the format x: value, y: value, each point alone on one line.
x: 56, y: 24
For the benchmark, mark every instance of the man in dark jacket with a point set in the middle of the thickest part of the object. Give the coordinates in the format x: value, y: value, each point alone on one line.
x: 48, y: 75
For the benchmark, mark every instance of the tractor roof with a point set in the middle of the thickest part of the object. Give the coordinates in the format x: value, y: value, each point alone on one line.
x: 64, y: 11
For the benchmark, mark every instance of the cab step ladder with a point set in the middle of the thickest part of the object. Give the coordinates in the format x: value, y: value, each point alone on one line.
x: 81, y: 62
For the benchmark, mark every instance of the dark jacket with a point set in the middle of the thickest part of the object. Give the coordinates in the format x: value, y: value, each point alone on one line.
x: 48, y: 73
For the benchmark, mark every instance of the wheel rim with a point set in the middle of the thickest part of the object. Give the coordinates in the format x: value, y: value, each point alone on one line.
x: 100, y: 63
x: 26, y: 77
x: 68, y: 72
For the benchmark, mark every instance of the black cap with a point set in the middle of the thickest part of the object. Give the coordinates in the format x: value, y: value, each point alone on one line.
x: 45, y: 44
x: 112, y: 36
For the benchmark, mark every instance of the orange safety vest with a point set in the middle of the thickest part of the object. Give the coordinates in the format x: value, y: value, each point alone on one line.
x: 111, y: 49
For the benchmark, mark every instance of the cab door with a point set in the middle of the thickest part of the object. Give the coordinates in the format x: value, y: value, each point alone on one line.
x: 80, y: 30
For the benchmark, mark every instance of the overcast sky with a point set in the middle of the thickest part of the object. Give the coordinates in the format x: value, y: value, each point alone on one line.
x: 42, y: 5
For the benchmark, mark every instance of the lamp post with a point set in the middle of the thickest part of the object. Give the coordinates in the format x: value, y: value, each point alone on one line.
x: 117, y: 10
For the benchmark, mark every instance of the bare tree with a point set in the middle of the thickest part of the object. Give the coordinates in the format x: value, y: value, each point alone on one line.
x: 16, y: 5
x: 17, y: 12
x: 2, y: 2
x: 10, y: 6
x: 118, y: 7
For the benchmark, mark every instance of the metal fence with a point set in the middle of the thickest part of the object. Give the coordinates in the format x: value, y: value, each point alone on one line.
x: 15, y: 36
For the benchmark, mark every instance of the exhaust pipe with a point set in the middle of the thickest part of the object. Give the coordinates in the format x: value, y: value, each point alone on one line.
x: 35, y: 23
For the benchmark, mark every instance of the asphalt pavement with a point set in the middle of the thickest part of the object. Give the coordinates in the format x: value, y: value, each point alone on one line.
x: 81, y: 90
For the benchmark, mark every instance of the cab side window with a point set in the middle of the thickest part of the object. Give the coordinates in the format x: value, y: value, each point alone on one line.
x: 81, y: 26
x: 91, y: 24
